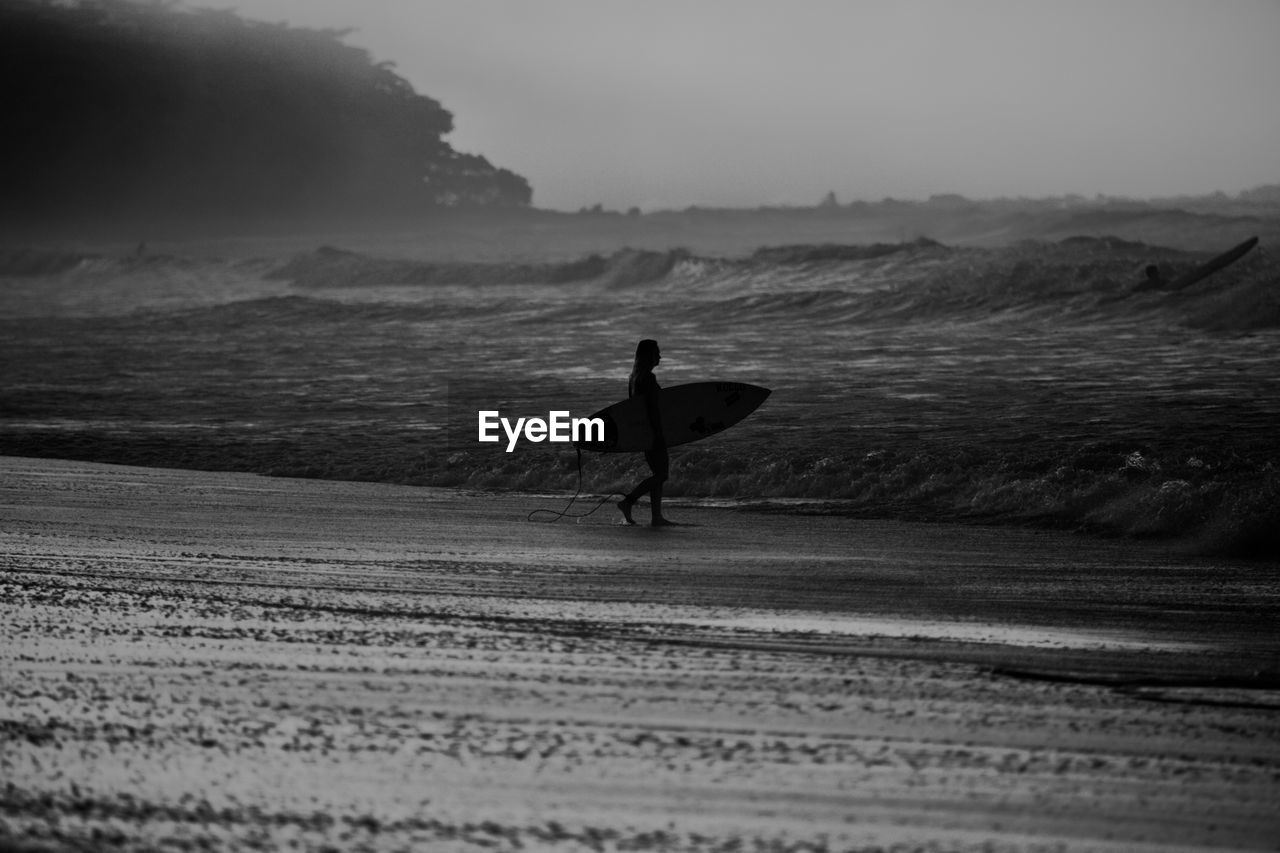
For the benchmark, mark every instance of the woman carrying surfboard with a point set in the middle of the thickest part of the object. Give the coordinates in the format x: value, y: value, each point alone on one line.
x: 642, y: 383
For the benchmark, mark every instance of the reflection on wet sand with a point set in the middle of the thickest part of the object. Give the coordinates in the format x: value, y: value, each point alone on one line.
x: 225, y: 661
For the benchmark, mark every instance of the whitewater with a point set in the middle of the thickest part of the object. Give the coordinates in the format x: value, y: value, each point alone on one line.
x: 1025, y: 384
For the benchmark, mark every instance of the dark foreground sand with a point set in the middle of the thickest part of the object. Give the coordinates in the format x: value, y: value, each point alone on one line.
x: 196, y: 660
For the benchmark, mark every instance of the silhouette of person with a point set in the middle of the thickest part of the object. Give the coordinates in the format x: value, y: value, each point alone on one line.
x: 1153, y: 281
x: 643, y: 384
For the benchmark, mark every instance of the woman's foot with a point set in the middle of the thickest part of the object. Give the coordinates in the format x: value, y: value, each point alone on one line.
x: 624, y: 507
x: 664, y: 522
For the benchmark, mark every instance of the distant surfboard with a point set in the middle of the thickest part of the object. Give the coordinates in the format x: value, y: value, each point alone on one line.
x: 1187, y: 279
x: 689, y: 413
x: 1224, y: 260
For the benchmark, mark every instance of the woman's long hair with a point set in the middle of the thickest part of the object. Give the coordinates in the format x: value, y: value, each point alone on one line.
x: 646, y: 351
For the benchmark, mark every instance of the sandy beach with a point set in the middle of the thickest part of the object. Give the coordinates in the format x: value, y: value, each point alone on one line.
x: 197, y: 660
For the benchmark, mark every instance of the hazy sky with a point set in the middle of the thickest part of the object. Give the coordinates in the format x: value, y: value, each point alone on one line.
x: 667, y: 103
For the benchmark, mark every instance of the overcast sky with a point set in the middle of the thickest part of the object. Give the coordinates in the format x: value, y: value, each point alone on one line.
x: 667, y: 103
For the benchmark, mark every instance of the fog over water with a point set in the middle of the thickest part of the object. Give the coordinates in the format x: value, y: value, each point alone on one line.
x: 745, y: 103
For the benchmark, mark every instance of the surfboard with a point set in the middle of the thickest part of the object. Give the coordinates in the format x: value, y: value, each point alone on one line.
x: 1224, y: 260
x: 689, y: 412
x: 1187, y: 279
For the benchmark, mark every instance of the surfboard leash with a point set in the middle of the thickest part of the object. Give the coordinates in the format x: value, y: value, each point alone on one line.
x: 564, y: 513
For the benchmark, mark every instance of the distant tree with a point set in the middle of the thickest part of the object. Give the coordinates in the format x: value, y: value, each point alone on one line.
x: 117, y: 108
x: 1265, y: 194
x: 950, y: 202
x: 829, y: 200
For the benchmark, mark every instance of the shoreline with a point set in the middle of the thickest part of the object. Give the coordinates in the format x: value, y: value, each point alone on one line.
x: 1193, y: 508
x: 821, y: 574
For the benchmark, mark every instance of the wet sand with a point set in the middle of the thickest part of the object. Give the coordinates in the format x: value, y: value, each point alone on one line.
x: 194, y: 659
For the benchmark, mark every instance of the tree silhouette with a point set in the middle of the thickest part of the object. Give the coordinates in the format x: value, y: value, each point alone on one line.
x: 116, y: 108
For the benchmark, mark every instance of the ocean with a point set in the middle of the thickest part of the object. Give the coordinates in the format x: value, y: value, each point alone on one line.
x: 1020, y: 384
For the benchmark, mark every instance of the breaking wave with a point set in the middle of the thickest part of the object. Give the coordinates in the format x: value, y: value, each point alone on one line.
x: 1079, y: 277
x: 1029, y: 384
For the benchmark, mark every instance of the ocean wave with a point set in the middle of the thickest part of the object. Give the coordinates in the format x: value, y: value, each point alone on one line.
x: 829, y: 252
x: 27, y: 262
x: 932, y: 381
x: 45, y: 283
x: 30, y: 262
x: 1088, y: 279
x: 292, y: 311
x: 328, y: 267
x: 1076, y: 280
